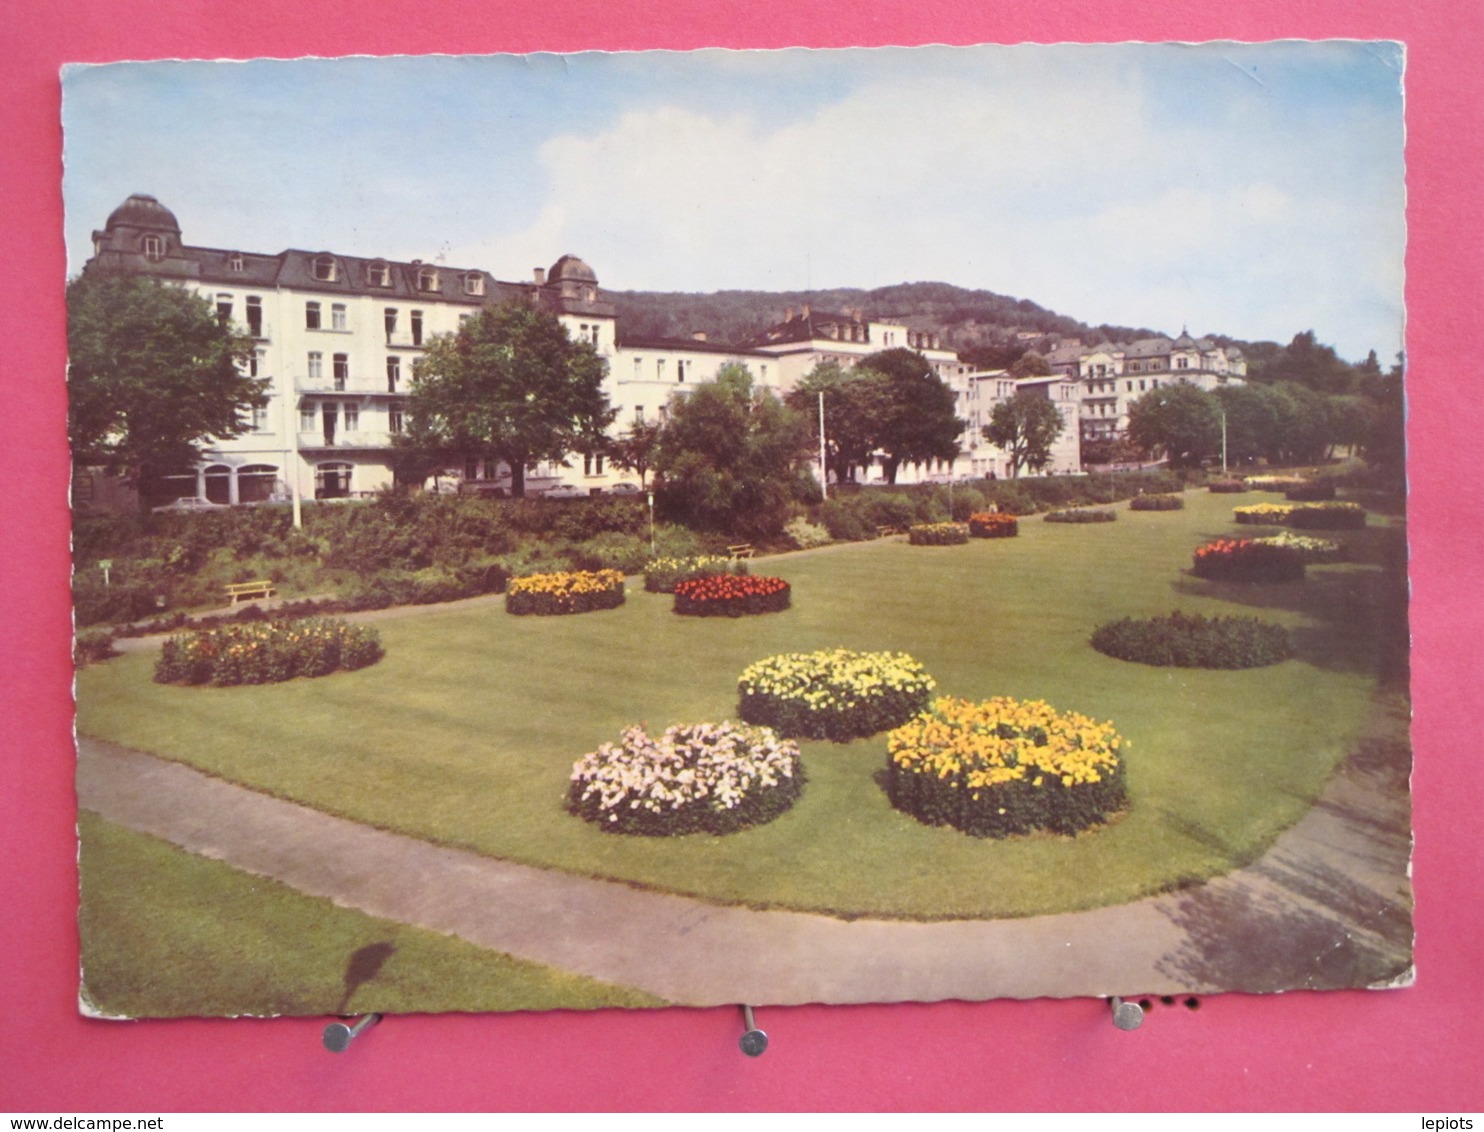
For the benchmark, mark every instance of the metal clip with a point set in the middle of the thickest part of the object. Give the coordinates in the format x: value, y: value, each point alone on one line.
x: 754, y: 1041
x: 1126, y: 1015
x: 338, y: 1035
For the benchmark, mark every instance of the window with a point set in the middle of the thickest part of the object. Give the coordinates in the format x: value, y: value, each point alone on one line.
x: 219, y: 483
x: 307, y: 411
x: 154, y: 248
x: 417, y: 328
x: 638, y: 368
x: 1182, y: 363
x: 1130, y: 385
x: 337, y: 316
x: 254, y: 363
x: 1141, y: 385
x: 234, y: 261
x: 763, y: 372
x: 427, y: 279
x: 311, y: 316
x: 316, y: 366
x: 394, y: 418
x: 659, y: 368
x: 256, y: 483
x: 255, y: 316
x: 638, y: 414
x: 352, y: 418
x: 224, y: 308
x: 332, y: 481
x: 681, y: 365
x: 473, y: 283
x: 329, y: 416
x: 389, y: 320
x: 324, y: 268
x: 260, y: 418
x: 471, y: 468
x: 341, y: 363
x: 393, y: 373
x: 379, y: 275
x: 595, y: 329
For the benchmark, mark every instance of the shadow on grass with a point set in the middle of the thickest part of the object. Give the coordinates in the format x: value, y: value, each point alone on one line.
x: 365, y: 964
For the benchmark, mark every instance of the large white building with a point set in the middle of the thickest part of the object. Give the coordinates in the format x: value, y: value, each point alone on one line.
x: 337, y: 337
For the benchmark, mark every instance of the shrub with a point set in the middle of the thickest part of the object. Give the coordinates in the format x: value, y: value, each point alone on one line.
x: 1327, y: 516
x: 938, y: 534
x: 662, y: 575
x: 1227, y: 487
x: 611, y: 550
x: 579, y: 591
x: 94, y: 603
x: 833, y: 694
x: 1247, y: 560
x: 1156, y: 503
x: 267, y: 652
x: 846, y: 520
x: 967, y: 502
x: 1081, y: 515
x: 804, y: 534
x: 1263, y: 514
x: 1005, y: 767
x: 728, y: 595
x: 1310, y: 491
x: 90, y: 648
x: 991, y: 524
x: 703, y: 778
x: 1184, y: 640
x: 1309, y: 548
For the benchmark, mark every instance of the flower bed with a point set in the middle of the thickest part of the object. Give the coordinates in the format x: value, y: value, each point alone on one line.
x: 702, y: 778
x: 267, y: 652
x: 579, y: 591
x: 1309, y: 548
x: 1186, y: 640
x: 1156, y: 503
x: 1227, y: 487
x: 1263, y: 514
x: 938, y: 534
x: 1005, y: 767
x: 726, y: 595
x: 1248, y: 560
x: 1310, y: 491
x: 661, y: 575
x: 1081, y: 515
x: 1327, y: 516
x: 993, y: 524
x: 833, y: 694
x: 1273, y: 483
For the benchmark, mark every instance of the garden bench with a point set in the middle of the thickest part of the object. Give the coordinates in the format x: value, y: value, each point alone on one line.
x: 249, y: 591
x: 741, y: 550
x: 884, y: 532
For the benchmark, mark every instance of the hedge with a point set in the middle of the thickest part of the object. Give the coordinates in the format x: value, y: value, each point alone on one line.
x: 267, y: 652
x: 938, y: 534
x: 833, y: 694
x: 1005, y: 767
x: 993, y: 524
x: 1156, y: 503
x: 1081, y: 515
x: 1227, y: 487
x: 1310, y: 491
x: 727, y: 595
x: 1184, y: 640
x: 580, y: 591
x: 1248, y: 560
x: 1327, y: 516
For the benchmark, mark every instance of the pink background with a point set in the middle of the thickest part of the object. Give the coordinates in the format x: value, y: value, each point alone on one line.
x: 1418, y: 1049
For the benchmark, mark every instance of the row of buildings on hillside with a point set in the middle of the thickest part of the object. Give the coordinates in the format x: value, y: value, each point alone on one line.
x: 338, y: 336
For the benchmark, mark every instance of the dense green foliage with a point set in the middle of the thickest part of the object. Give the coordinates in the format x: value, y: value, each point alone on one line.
x: 1081, y: 515
x: 1025, y: 426
x: 1248, y: 560
x: 1156, y: 502
x: 938, y: 534
x: 267, y: 653
x: 919, y: 425
x: 857, y: 403
x: 1191, y: 640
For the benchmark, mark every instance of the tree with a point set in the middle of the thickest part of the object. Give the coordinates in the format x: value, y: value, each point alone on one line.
x: 510, y: 385
x: 919, y: 424
x: 1307, y: 361
x: 1031, y: 364
x: 856, y: 402
x: 1179, y: 420
x: 1251, y: 421
x: 1025, y: 426
x: 636, y: 449
x: 152, y: 374
x: 731, y: 458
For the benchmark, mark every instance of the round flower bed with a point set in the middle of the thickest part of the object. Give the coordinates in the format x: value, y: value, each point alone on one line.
x: 661, y: 575
x: 1273, y: 483
x: 727, y: 595
x: 1227, y: 487
x: 579, y: 591
x: 1156, y: 503
x: 1081, y: 515
x: 1310, y: 491
x: 993, y: 524
x: 1187, y: 640
x: 1263, y: 514
x: 701, y: 778
x: 267, y: 652
x: 1248, y: 560
x: 938, y: 534
x: 1005, y: 767
x: 1327, y: 516
x: 833, y: 694
x: 1309, y: 548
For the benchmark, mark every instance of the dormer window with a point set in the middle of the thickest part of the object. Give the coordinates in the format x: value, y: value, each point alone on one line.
x: 324, y: 268
x: 427, y: 279
x: 473, y: 283
x: 234, y: 261
x: 379, y: 275
x: 154, y: 248
x: 590, y: 294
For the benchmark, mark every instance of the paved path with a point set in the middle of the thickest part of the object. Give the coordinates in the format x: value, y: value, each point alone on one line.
x: 1327, y: 906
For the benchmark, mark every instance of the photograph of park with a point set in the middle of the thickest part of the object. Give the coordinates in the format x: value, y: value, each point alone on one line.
x: 958, y: 551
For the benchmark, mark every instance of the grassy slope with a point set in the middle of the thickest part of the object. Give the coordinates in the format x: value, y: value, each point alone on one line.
x: 466, y: 732
x: 165, y: 933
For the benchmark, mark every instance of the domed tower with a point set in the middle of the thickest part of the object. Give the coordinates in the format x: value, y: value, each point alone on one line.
x: 574, y: 280
x: 141, y: 234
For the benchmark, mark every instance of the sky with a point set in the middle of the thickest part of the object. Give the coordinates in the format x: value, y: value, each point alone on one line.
x: 1251, y: 190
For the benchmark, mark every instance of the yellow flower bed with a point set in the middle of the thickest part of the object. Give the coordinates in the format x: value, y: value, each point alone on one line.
x: 834, y: 694
x: 1264, y: 514
x: 569, y: 591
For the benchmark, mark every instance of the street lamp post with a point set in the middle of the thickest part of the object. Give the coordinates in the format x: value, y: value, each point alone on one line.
x: 650, y: 494
x: 824, y: 473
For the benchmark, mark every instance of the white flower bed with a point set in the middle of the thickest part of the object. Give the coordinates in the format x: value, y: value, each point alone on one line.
x: 703, y: 777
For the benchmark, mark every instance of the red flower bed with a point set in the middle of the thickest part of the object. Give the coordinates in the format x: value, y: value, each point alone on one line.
x: 1247, y: 560
x: 731, y: 595
x: 992, y: 524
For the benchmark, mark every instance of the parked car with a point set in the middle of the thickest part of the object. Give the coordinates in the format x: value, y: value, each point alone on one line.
x: 189, y: 505
x: 566, y: 491
x: 625, y: 489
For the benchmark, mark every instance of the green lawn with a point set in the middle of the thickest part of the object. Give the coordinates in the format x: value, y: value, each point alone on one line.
x: 166, y: 933
x: 465, y: 734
